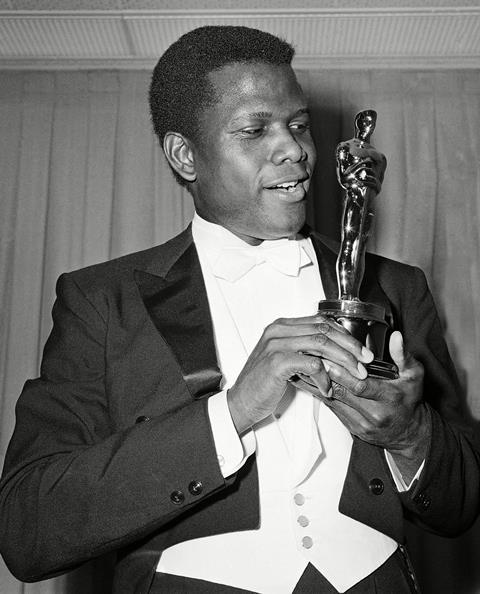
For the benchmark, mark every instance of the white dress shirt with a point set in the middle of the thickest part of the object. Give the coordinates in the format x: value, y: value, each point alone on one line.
x: 302, y: 450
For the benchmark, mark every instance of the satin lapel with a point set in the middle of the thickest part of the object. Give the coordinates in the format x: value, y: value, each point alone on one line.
x: 370, y: 292
x: 178, y: 306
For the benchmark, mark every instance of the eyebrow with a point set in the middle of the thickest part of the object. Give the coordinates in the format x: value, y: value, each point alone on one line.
x: 265, y: 115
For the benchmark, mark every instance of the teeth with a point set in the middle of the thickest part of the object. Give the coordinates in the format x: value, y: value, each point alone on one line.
x: 288, y: 185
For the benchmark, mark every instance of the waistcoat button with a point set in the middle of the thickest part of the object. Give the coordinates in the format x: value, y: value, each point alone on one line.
x: 299, y: 499
x: 307, y: 542
x: 303, y: 521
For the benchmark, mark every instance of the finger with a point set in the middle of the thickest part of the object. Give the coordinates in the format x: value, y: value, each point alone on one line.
x: 340, y: 336
x: 321, y: 380
x: 366, y: 163
x: 362, y: 416
x: 321, y: 345
x: 326, y: 338
x: 332, y: 322
x: 351, y: 418
x: 368, y: 178
x: 278, y: 335
x: 397, y: 351
x: 308, y: 320
x: 318, y: 384
x: 405, y: 362
x: 342, y: 394
x: 300, y: 364
x: 315, y: 326
x: 350, y: 389
x: 365, y: 172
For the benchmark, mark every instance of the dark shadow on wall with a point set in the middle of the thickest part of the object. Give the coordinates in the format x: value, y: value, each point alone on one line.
x: 325, y: 196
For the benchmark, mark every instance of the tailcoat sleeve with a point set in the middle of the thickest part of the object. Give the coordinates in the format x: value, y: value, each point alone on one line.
x: 446, y: 499
x: 77, y: 482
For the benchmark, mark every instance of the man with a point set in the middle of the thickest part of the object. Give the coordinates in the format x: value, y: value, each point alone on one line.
x: 167, y: 423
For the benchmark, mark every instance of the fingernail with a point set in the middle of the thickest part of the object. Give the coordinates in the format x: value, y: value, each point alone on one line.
x: 330, y: 393
x: 327, y: 366
x: 362, y: 372
x: 367, y: 354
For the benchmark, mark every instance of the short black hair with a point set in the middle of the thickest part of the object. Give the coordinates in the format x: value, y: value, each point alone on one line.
x: 180, y: 89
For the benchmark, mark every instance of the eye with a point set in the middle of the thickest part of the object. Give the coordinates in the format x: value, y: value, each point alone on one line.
x: 300, y: 126
x: 251, y: 132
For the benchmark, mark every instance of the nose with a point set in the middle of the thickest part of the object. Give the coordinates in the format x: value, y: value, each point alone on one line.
x: 286, y: 147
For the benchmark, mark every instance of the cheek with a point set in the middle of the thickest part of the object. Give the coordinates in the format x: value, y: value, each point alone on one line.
x: 241, y: 174
x: 309, y: 148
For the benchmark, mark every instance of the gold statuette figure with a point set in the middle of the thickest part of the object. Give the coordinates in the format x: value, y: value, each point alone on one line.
x: 360, y: 171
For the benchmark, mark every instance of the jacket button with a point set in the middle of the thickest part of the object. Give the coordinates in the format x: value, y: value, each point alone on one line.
x: 195, y: 487
x: 376, y: 486
x: 177, y: 497
x: 142, y: 419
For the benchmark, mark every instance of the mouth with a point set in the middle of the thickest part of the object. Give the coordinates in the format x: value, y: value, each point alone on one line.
x: 289, y: 188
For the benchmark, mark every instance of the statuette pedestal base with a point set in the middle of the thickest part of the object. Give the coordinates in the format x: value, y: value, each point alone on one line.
x: 366, y: 322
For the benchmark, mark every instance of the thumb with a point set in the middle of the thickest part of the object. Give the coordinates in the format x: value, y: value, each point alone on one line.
x: 401, y: 358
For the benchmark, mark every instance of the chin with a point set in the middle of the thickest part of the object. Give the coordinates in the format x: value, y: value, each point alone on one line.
x: 292, y: 226
x: 284, y: 230
x: 278, y: 226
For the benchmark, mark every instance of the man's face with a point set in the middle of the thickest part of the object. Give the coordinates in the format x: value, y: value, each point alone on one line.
x: 255, y: 156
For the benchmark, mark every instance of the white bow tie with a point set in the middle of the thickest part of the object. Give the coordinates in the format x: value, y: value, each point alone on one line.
x: 286, y: 256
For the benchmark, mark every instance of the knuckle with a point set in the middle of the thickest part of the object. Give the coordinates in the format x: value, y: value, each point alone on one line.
x: 275, y: 358
x: 338, y: 391
x: 267, y: 333
x: 420, y: 369
x: 360, y: 387
x: 321, y: 339
x: 381, y: 418
x: 272, y: 344
x: 368, y: 432
x: 323, y: 327
x: 378, y: 418
x: 272, y: 328
x: 350, y: 359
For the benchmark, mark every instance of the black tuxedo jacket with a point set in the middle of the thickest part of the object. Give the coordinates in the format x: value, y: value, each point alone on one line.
x: 113, y: 449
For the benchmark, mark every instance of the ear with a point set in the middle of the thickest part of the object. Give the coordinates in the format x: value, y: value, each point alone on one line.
x: 179, y: 154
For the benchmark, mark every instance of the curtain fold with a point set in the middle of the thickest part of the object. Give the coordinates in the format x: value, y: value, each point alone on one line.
x: 83, y: 180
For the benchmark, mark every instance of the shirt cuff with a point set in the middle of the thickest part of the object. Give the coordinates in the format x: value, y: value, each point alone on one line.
x: 232, y: 450
x: 397, y: 475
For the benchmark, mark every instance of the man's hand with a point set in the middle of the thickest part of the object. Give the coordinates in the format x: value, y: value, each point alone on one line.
x: 387, y: 413
x: 291, y: 347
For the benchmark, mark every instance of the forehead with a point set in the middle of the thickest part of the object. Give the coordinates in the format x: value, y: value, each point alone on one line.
x: 255, y: 87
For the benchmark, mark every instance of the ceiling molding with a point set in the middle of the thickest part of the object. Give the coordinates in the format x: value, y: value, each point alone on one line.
x: 420, y: 36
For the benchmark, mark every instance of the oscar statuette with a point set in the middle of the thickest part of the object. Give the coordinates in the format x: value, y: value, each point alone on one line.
x: 360, y: 170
